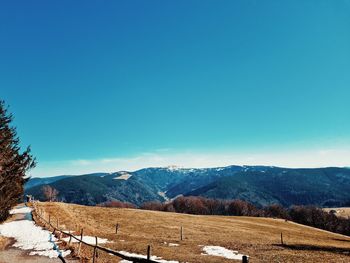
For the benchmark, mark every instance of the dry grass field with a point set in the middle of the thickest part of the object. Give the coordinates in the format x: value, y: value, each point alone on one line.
x: 3, y: 243
x: 257, y: 237
x: 340, y: 211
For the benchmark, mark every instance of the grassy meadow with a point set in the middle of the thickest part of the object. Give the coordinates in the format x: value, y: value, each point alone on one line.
x: 257, y: 237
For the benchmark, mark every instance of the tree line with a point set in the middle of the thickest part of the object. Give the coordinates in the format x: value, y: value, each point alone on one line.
x: 306, y: 215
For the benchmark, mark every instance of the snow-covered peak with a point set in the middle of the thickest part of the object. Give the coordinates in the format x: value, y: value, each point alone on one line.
x: 122, y: 176
x: 174, y: 168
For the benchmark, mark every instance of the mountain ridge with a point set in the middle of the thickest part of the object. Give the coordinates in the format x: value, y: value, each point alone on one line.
x: 261, y: 185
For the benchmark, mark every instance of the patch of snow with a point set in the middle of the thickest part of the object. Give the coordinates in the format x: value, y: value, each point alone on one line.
x: 163, y: 194
x: 221, y: 252
x: 29, y: 236
x: 173, y: 168
x: 45, y: 253
x: 69, y: 231
x: 123, y: 176
x: 173, y: 245
x: 21, y: 210
x: 88, y: 239
x: 155, y: 258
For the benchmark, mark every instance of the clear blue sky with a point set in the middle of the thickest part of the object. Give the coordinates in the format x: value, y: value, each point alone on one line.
x: 94, y: 81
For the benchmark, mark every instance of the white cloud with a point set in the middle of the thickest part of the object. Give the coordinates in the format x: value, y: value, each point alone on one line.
x: 306, y: 158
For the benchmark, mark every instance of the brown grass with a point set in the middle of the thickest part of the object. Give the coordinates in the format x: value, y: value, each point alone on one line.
x: 3, y: 243
x: 257, y: 237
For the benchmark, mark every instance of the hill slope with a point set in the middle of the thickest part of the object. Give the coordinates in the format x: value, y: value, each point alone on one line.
x: 42, y: 181
x: 92, y: 190
x: 257, y: 237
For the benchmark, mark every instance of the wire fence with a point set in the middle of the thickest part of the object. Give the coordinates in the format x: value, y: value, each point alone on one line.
x: 96, y: 247
x: 59, y: 232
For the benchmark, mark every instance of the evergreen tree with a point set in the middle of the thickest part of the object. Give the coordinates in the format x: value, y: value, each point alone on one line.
x: 13, y: 164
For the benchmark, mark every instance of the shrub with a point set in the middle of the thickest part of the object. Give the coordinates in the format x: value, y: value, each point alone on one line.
x: 190, y: 205
x: 156, y: 206
x: 242, y: 208
x: 276, y: 210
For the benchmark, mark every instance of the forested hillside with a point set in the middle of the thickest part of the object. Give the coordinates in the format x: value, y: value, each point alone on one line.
x: 260, y: 185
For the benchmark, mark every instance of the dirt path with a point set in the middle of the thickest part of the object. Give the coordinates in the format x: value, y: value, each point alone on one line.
x: 10, y: 254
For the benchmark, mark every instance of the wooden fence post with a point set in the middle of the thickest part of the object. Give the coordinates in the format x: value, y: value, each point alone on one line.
x: 282, y: 239
x: 244, y: 259
x: 116, y: 228
x: 58, y: 229
x: 96, y: 248
x: 95, y: 251
x: 81, y: 238
x: 70, y: 240
x: 181, y: 233
x: 148, y: 252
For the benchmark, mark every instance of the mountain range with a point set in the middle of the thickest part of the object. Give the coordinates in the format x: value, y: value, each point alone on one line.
x: 260, y: 185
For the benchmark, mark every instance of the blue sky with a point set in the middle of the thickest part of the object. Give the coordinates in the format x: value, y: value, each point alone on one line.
x: 111, y: 85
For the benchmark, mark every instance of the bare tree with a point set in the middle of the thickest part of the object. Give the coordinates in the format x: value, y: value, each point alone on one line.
x: 50, y: 193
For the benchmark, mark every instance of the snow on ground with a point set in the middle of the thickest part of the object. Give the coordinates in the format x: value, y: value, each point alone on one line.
x: 171, y: 244
x: 88, y: 239
x: 22, y: 210
x: 155, y: 258
x: 221, y: 252
x: 29, y: 236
